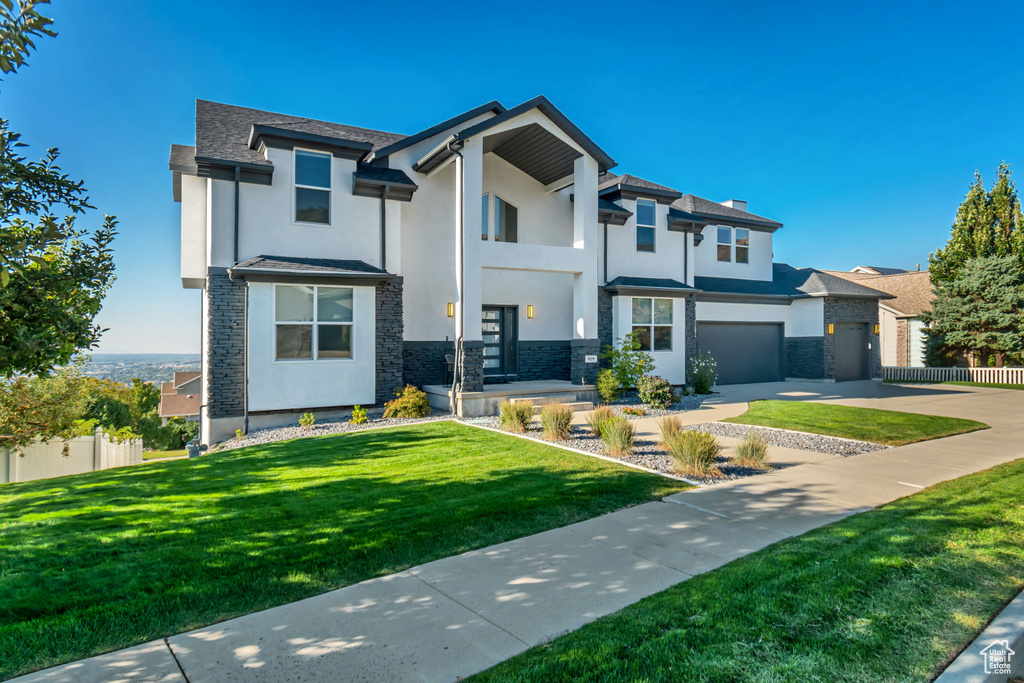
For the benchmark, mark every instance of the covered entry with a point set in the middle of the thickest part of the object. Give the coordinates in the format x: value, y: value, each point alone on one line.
x: 744, y: 352
x: 852, y: 353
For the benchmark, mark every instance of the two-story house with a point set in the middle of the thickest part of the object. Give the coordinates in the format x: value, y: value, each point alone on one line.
x: 340, y: 263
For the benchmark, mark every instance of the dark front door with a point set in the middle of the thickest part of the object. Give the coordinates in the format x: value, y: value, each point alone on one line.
x: 501, y: 338
x: 744, y: 352
x: 852, y: 354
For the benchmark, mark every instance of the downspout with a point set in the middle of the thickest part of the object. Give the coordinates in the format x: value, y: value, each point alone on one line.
x: 606, y: 252
x: 460, y: 254
x: 383, y: 228
x: 238, y: 179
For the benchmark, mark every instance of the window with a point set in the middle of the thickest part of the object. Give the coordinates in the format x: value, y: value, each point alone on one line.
x: 506, y: 221
x: 742, y: 245
x: 645, y: 223
x: 483, y: 218
x: 312, y: 322
x: 312, y: 187
x: 725, y: 244
x: 652, y: 323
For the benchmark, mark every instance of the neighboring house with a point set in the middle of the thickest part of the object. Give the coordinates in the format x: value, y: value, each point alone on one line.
x: 903, y: 334
x: 339, y: 263
x: 181, y: 397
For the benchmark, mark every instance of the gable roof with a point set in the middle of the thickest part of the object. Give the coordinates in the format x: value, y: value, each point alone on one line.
x: 492, y: 106
x: 609, y: 182
x: 179, y: 405
x: 790, y: 282
x: 182, y: 378
x: 706, y: 208
x: 912, y: 290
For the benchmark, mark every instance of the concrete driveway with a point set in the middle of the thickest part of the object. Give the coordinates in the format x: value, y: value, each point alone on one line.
x: 457, y: 616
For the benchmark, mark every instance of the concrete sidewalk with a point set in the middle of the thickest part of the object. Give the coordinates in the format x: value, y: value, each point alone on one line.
x: 460, y: 615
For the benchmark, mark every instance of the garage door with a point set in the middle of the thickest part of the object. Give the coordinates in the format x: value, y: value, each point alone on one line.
x: 745, y: 352
x: 852, y: 354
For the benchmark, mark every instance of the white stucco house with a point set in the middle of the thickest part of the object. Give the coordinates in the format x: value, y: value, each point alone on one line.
x: 339, y: 263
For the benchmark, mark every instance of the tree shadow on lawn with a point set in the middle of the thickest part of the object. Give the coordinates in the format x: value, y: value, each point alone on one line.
x: 115, y: 558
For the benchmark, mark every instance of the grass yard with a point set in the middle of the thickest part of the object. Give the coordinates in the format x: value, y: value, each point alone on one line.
x: 101, y: 561
x: 888, y: 595
x: 864, y: 424
x: 160, y: 455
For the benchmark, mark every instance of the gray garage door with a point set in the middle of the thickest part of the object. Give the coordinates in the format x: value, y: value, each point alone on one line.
x: 745, y: 352
x: 852, y: 355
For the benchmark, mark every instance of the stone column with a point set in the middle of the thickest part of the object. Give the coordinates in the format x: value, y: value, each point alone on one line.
x: 389, y: 339
x: 580, y: 371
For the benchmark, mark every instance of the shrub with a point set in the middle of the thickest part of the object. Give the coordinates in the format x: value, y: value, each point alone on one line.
x: 306, y: 420
x: 634, y: 410
x: 694, y: 453
x: 411, y: 402
x: 655, y: 391
x: 515, y: 417
x: 556, y: 418
x: 753, y: 452
x: 239, y: 433
x: 607, y: 386
x: 597, y: 416
x: 618, y: 435
x: 628, y: 362
x: 670, y: 425
x: 358, y: 415
x: 702, y: 373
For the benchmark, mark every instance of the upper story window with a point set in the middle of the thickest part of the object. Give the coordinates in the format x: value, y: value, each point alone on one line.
x: 312, y: 322
x: 645, y: 223
x: 730, y: 237
x: 506, y: 221
x: 484, y: 227
x: 652, y: 323
x: 312, y: 187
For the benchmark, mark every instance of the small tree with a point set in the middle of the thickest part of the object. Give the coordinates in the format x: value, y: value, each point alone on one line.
x: 628, y: 362
x: 40, y: 407
x: 981, y: 312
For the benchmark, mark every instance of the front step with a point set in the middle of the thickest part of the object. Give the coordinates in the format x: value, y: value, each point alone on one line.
x: 541, y: 400
x: 577, y: 406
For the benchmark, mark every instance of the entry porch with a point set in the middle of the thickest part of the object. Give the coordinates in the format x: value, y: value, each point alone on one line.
x: 486, y: 400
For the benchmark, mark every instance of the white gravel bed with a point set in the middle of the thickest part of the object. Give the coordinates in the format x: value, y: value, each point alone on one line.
x: 785, y: 438
x: 633, y: 401
x: 335, y: 426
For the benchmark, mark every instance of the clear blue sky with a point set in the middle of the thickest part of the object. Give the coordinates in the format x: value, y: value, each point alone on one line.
x: 858, y: 125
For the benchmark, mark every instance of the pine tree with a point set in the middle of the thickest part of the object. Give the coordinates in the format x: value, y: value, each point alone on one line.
x: 986, y: 224
x: 981, y: 312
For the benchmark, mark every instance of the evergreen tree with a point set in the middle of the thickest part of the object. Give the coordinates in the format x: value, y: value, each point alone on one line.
x: 981, y: 312
x: 986, y: 224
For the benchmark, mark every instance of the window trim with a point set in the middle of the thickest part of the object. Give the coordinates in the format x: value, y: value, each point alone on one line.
x: 493, y: 227
x: 328, y: 190
x: 485, y: 232
x: 732, y: 244
x: 651, y: 325
x: 638, y: 225
x: 314, y: 323
x: 737, y: 246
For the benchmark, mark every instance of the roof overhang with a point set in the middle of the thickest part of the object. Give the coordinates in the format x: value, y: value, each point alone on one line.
x: 740, y: 297
x: 493, y: 107
x: 654, y: 287
x: 218, y: 169
x: 681, y: 221
x: 285, y: 270
x: 627, y: 191
x: 262, y: 136
x: 714, y: 219
x: 387, y: 183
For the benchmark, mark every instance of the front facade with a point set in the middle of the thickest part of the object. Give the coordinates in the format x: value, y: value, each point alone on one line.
x: 339, y: 264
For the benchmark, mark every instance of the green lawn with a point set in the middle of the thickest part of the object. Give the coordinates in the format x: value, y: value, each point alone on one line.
x: 160, y: 455
x: 864, y: 424
x: 887, y: 595
x: 105, y: 560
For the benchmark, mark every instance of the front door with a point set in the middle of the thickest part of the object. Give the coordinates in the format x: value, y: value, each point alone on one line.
x: 500, y: 340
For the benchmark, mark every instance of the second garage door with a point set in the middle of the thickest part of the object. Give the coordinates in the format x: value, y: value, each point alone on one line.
x: 744, y: 352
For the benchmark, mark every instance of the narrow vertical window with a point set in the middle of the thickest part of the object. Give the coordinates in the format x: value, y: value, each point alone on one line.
x: 742, y: 245
x: 725, y: 244
x: 483, y: 218
x: 645, y: 224
x: 506, y: 221
x: 312, y: 187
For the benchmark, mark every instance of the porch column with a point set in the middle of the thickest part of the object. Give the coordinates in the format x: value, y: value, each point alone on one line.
x: 584, y: 285
x: 469, y: 303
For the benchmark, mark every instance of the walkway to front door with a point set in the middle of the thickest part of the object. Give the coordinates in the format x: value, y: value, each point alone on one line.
x: 501, y: 339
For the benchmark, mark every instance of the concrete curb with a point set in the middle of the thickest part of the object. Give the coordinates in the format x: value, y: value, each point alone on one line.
x: 1007, y: 627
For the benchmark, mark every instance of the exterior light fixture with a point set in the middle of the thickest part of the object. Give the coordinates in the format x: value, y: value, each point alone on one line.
x: 831, y: 328
x: 876, y: 328
x: 451, y: 309
x: 529, y: 311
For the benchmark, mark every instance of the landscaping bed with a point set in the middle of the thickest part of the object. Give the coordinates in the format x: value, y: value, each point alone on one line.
x: 892, y: 594
x: 785, y: 438
x: 631, y: 400
x: 102, y: 561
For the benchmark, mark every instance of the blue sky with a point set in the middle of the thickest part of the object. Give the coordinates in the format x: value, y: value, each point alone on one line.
x: 858, y: 125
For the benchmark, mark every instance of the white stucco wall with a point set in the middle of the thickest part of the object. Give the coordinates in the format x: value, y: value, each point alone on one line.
x: 281, y: 385
x: 802, y: 317
x: 666, y: 261
x: 668, y: 364
x: 193, y: 228
x: 916, y: 338
x: 544, y: 218
x: 706, y: 263
x: 549, y: 293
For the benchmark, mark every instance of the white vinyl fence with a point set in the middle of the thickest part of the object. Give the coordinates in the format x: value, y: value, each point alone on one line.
x: 85, y: 454
x: 986, y: 375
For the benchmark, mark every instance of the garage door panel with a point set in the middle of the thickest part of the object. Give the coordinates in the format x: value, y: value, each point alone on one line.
x: 744, y: 352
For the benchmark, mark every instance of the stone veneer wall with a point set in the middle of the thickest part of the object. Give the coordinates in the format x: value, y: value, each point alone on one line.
x: 544, y: 360
x: 471, y: 370
x: 902, y: 342
x: 389, y: 347
x: 843, y: 310
x: 581, y: 372
x: 691, y: 332
x: 605, y: 331
x: 225, y: 346
x: 805, y: 357
x: 423, y: 362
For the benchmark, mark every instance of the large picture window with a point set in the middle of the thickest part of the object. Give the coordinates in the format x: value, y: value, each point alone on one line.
x: 312, y: 322
x: 652, y: 323
x: 312, y: 187
x: 646, y: 210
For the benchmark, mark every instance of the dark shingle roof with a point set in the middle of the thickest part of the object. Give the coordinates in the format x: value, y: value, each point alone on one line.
x: 612, y: 207
x: 912, y: 290
x: 705, y: 207
x: 222, y: 131
x: 384, y: 175
x: 313, y: 266
x: 183, y: 159
x: 648, y: 283
x: 607, y: 180
x: 791, y: 282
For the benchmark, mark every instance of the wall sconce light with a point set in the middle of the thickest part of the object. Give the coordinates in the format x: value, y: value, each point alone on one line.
x: 529, y: 311
x: 831, y: 328
x: 876, y: 328
x: 451, y: 310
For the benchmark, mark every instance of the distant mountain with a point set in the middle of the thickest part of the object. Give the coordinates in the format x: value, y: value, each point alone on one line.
x: 150, y: 367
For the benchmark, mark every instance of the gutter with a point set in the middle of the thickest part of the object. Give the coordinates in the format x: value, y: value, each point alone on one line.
x: 455, y: 146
